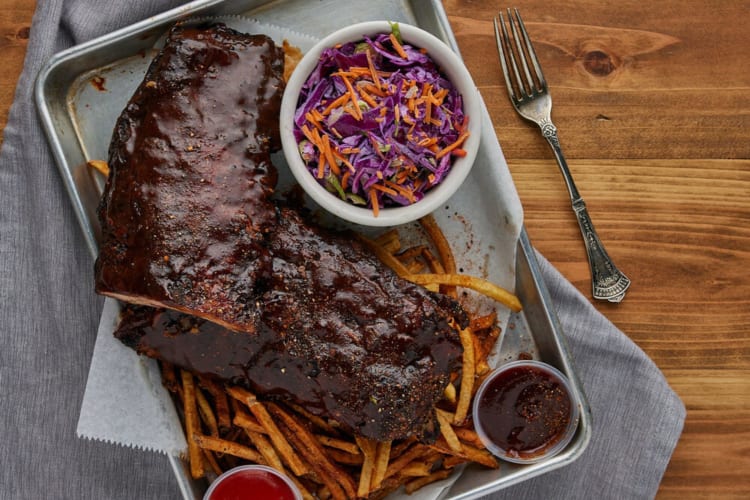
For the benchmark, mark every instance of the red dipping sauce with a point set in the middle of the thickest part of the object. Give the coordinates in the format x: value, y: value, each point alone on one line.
x: 524, y: 412
x: 252, y: 482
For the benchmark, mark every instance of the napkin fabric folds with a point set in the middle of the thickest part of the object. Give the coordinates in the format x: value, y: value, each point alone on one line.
x: 49, y: 315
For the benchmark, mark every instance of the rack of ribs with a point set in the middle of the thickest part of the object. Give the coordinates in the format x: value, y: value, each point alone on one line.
x: 186, y: 205
x: 224, y: 281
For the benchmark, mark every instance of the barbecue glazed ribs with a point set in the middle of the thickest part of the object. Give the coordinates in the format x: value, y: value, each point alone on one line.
x: 337, y: 334
x: 186, y: 204
x: 233, y: 285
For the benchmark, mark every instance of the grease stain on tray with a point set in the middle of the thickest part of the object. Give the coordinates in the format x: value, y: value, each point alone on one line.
x: 98, y: 83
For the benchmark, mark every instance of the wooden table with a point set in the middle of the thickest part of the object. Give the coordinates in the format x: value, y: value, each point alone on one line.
x: 652, y: 101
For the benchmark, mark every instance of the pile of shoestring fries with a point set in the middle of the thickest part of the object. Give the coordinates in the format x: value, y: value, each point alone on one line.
x: 227, y: 426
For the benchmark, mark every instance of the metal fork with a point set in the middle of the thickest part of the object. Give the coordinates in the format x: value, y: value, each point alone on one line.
x: 529, y: 94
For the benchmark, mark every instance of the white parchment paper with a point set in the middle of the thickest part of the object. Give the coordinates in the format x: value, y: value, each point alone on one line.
x: 125, y: 402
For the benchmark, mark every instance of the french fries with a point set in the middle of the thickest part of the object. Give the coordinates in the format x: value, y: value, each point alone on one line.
x: 382, y: 456
x: 269, y: 425
x: 480, y: 285
x: 292, y: 57
x: 334, y: 477
x: 467, y: 377
x: 368, y: 448
x: 190, y: 411
x: 446, y: 260
x: 100, y: 166
x: 446, y: 429
x: 227, y: 425
x: 224, y: 446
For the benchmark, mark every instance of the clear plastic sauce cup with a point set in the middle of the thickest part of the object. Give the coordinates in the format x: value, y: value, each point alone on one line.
x: 248, y: 482
x: 525, y: 412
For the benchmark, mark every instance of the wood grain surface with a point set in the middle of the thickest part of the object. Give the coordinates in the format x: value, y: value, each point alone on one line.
x: 652, y: 103
x: 15, y: 27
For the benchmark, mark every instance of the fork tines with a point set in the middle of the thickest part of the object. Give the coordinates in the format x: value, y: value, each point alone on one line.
x: 514, y: 47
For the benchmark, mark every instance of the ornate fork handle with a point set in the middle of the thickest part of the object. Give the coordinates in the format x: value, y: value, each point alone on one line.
x: 608, y: 282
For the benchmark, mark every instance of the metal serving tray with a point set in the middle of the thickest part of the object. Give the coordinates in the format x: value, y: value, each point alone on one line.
x: 81, y: 91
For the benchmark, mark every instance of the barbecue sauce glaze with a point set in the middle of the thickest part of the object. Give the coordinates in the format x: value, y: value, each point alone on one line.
x: 186, y: 204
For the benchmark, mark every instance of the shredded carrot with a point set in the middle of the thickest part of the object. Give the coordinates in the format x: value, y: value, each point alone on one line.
x: 451, y: 147
x: 317, y: 115
x: 373, y: 72
x: 316, y: 138
x: 374, y: 203
x: 363, y: 71
x: 376, y: 90
x: 357, y: 113
x: 345, y: 179
x: 329, y: 155
x: 397, y: 47
x: 375, y: 145
x: 411, y: 129
x: 312, y: 119
x: 322, y: 166
x: 354, y: 111
x: 402, y: 176
x: 403, y: 191
x: 306, y: 131
x: 355, y: 71
x: 336, y: 103
x: 367, y: 98
x: 464, y: 123
x: 345, y: 161
x: 384, y: 189
x: 440, y: 96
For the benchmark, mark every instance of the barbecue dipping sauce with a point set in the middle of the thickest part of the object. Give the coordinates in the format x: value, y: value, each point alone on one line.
x: 250, y: 484
x: 524, y: 411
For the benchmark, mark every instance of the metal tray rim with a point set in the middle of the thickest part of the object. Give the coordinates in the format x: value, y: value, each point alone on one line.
x: 524, y: 247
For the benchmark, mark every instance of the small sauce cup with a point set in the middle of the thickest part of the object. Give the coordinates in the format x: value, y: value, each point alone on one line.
x: 525, y: 412
x: 249, y: 482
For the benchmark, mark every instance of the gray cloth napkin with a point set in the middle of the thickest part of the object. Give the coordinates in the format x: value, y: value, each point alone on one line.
x: 49, y: 317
